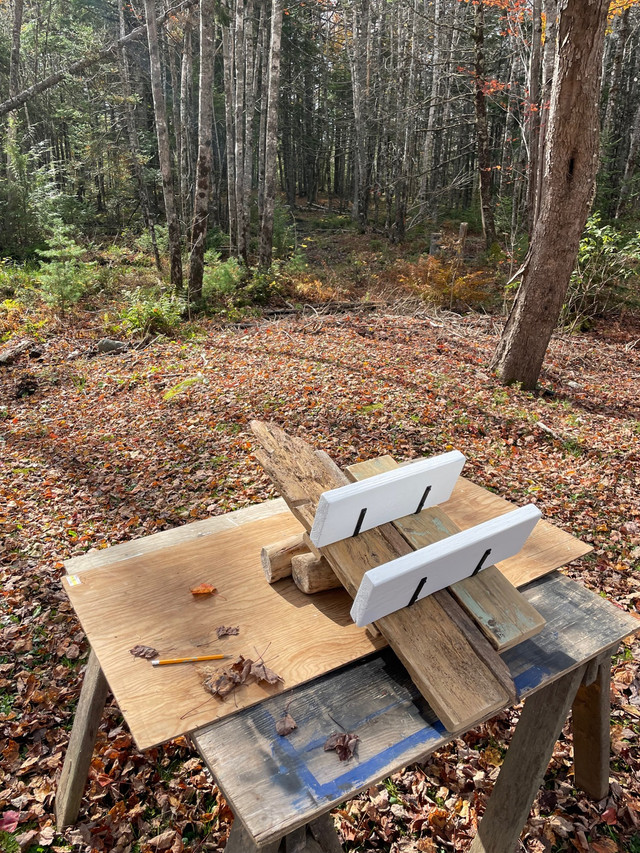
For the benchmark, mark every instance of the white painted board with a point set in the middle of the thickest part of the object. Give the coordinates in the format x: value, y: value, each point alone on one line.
x: 394, y: 585
x: 385, y: 497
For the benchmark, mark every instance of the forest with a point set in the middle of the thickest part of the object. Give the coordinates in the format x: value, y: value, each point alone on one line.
x: 389, y: 226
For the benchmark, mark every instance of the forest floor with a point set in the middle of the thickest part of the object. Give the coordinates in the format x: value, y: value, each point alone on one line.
x: 103, y: 448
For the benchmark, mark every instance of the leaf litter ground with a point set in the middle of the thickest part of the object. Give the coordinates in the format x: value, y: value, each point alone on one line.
x: 97, y: 452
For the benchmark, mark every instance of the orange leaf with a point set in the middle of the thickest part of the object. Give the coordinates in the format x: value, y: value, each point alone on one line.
x: 204, y: 589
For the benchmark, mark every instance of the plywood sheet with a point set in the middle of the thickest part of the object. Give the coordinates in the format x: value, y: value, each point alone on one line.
x: 145, y: 599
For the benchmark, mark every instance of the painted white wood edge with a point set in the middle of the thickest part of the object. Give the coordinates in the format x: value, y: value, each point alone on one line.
x: 393, y: 585
x: 385, y: 497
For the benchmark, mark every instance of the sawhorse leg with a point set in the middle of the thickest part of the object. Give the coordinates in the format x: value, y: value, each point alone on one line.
x: 592, y: 729
x: 319, y: 836
x: 525, y: 764
x: 80, y: 750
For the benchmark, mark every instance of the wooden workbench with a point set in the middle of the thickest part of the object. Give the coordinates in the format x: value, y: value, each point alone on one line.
x: 279, y: 786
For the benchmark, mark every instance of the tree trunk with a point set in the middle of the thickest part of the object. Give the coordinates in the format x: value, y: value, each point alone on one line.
x: 134, y: 147
x: 271, y: 134
x: 203, y: 166
x: 227, y: 52
x: 482, y: 129
x: 164, y: 154
x: 533, y: 119
x: 632, y: 157
x: 184, y: 155
x: 570, y: 167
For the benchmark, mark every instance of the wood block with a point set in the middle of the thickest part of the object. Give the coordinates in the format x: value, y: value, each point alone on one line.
x: 502, y: 614
x: 418, y: 574
x: 312, y: 574
x: 276, y: 558
x: 366, y: 504
x: 451, y: 662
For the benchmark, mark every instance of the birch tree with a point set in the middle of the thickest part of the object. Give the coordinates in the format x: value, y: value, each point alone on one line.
x: 164, y: 153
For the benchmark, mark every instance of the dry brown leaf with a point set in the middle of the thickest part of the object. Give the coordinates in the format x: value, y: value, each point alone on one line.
x: 203, y: 589
x: 285, y: 725
x: 226, y: 631
x: 263, y: 673
x: 145, y: 652
x: 343, y: 743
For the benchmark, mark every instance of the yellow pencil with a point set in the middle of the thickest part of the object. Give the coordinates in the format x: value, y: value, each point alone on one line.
x: 187, y: 660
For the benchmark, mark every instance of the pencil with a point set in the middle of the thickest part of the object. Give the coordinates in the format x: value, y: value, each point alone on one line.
x: 186, y: 660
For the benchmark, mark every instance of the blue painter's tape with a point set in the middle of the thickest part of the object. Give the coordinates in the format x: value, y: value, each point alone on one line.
x: 292, y: 760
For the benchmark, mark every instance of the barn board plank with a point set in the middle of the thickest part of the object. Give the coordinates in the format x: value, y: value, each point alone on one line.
x: 279, y: 783
x: 146, y: 600
x: 412, y: 577
x: 451, y: 662
x: 391, y: 494
x: 502, y: 614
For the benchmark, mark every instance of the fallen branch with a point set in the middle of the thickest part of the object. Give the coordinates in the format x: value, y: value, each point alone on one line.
x: 78, y: 67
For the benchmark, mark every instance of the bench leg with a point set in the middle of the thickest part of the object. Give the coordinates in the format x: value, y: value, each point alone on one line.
x: 80, y: 750
x: 525, y: 764
x: 319, y: 836
x: 592, y: 732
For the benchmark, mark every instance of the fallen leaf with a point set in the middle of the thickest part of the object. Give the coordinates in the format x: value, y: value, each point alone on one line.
x: 145, y: 652
x: 263, y: 673
x: 610, y: 816
x: 9, y: 820
x: 226, y: 631
x: 344, y: 743
x: 203, y: 589
x: 285, y: 725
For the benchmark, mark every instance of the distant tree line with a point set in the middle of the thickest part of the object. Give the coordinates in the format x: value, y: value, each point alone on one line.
x: 121, y: 113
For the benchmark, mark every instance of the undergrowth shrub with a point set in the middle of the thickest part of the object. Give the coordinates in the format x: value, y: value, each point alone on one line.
x: 446, y: 283
x: 607, y: 274
x: 63, y: 277
x: 151, y: 312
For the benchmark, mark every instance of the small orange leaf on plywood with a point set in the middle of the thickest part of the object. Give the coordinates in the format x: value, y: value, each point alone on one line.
x: 203, y: 589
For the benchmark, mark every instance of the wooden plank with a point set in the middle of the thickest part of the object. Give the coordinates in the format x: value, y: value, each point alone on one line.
x: 451, y: 662
x: 525, y: 764
x: 412, y: 577
x: 502, y: 614
x: 77, y: 761
x: 365, y: 504
x: 278, y: 783
x: 592, y: 732
x: 146, y: 600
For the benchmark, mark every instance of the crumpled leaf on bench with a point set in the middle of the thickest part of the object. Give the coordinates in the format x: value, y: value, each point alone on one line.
x: 146, y: 652
x: 203, y: 589
x: 226, y: 631
x: 286, y: 724
x: 344, y: 743
x: 241, y: 671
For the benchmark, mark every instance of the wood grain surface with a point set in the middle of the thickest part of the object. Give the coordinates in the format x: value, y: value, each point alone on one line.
x: 278, y: 783
x: 451, y: 662
x: 146, y: 600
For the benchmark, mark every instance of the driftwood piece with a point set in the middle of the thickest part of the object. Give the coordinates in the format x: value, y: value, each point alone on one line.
x: 450, y: 661
x: 311, y: 574
x: 10, y: 353
x: 276, y: 558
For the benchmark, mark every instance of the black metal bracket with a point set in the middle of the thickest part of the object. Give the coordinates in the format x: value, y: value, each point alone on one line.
x: 417, y: 592
x: 423, y: 499
x: 481, y: 563
x: 363, y: 512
